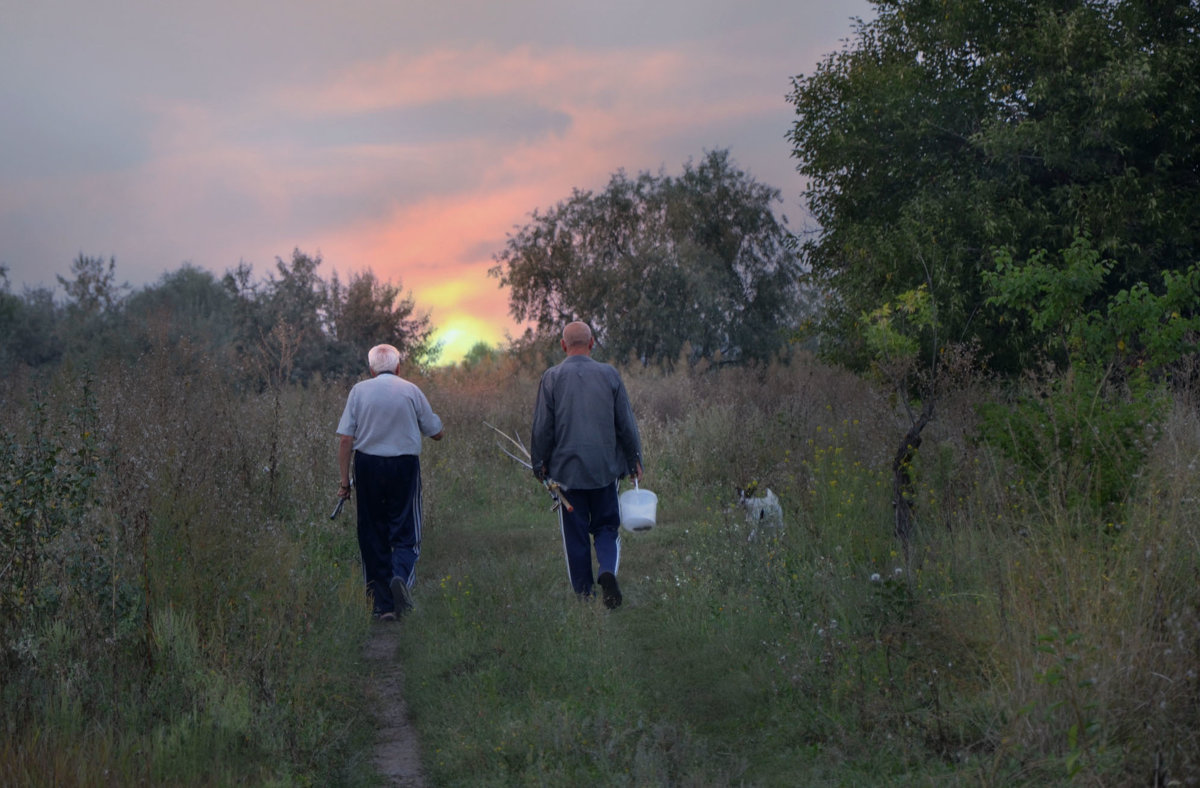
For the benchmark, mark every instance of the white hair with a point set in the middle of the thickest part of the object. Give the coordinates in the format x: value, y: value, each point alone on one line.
x: 383, y: 358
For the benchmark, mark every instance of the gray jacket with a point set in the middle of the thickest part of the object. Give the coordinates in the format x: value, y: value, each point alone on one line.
x: 583, y: 426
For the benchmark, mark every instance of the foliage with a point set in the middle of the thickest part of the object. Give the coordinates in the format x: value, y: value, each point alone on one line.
x: 655, y: 263
x: 1081, y: 440
x: 46, y: 488
x: 295, y: 324
x: 891, y: 331
x: 27, y: 326
x: 480, y: 353
x: 1069, y: 304
x: 172, y: 610
x: 189, y: 303
x: 368, y: 311
x: 945, y: 129
x: 1086, y: 432
x: 818, y: 656
x: 93, y: 290
x: 291, y: 326
x: 91, y: 316
x: 216, y: 618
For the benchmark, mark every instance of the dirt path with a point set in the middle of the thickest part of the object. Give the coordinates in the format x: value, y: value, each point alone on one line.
x: 397, y: 754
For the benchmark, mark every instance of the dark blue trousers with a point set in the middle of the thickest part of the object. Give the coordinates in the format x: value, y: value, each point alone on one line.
x: 596, y: 522
x: 388, y: 501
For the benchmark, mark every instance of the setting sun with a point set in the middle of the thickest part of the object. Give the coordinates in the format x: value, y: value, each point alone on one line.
x: 460, y: 333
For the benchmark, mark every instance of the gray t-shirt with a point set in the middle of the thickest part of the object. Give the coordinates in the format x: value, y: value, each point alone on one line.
x: 387, y: 415
x: 583, y: 426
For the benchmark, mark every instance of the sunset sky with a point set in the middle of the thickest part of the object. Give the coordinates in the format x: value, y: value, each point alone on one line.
x: 407, y: 138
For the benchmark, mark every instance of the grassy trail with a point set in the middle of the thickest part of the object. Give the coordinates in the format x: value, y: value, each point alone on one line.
x: 513, y: 681
x: 178, y: 608
x: 397, y: 755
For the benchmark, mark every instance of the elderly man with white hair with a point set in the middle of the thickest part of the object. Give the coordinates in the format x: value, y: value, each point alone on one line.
x: 381, y: 429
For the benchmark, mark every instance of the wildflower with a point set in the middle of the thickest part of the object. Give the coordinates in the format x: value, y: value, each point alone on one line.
x: 875, y: 577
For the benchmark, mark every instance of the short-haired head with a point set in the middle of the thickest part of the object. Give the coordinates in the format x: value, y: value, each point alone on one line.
x: 383, y: 358
x: 577, y: 336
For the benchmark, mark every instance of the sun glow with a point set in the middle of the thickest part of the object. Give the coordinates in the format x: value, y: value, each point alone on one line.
x: 460, y: 333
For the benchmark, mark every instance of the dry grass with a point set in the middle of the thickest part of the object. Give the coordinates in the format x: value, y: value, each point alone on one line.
x: 192, y: 618
x: 195, y: 618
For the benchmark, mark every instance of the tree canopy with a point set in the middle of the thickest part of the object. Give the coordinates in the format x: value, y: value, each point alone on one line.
x: 295, y: 324
x: 656, y: 264
x: 291, y: 325
x: 948, y: 130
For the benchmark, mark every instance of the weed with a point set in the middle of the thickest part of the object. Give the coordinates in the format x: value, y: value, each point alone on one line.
x: 186, y: 613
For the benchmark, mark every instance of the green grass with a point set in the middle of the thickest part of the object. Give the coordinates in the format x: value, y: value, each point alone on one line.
x: 191, y: 616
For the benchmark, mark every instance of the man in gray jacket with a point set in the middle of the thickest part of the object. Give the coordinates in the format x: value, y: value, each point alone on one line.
x: 585, y: 438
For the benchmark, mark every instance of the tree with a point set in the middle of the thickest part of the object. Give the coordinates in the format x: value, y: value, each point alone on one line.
x: 480, y: 353
x: 657, y: 263
x: 94, y: 290
x: 28, y: 326
x: 948, y: 129
x: 297, y: 307
x: 187, y: 304
x: 367, y: 312
x: 288, y: 327
x: 1085, y: 434
x: 11, y: 312
x: 295, y: 324
x: 90, y: 330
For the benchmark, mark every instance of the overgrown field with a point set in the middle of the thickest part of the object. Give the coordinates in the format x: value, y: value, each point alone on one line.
x: 178, y: 608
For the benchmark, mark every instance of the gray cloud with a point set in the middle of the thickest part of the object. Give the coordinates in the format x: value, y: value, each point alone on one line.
x: 499, y: 120
x: 153, y: 131
x: 46, y: 131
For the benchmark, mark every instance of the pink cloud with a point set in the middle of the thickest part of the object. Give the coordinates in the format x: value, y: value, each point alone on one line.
x: 621, y: 105
x: 557, y: 76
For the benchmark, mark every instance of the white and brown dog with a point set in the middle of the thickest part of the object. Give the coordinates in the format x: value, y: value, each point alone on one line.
x: 762, y: 511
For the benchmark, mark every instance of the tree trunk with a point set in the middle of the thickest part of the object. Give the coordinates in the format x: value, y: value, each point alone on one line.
x: 902, y: 483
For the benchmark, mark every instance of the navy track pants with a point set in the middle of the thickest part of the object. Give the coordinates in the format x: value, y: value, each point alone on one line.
x: 388, y: 502
x: 596, y: 522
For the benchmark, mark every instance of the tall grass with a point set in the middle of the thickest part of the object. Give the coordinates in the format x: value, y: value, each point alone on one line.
x: 1017, y: 643
x: 193, y: 616
x: 189, y: 617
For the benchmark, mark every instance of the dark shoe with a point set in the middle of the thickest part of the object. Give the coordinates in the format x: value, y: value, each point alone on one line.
x: 385, y: 616
x: 612, y: 591
x: 401, y: 596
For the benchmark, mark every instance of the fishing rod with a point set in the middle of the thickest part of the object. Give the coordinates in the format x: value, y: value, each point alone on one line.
x: 552, y: 487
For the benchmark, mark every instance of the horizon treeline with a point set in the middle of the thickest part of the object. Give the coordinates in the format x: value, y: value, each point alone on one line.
x: 287, y: 326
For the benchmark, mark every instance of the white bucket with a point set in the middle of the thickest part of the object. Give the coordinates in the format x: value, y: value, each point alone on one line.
x: 638, y: 508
